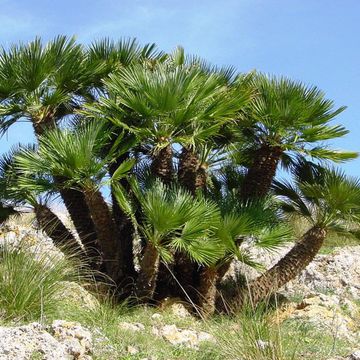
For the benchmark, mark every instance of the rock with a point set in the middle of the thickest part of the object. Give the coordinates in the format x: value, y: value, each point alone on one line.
x: 261, y: 344
x: 77, y: 340
x: 23, y: 342
x: 132, y: 350
x: 337, y: 273
x: 29, y: 239
x: 156, y: 316
x: 76, y: 294
x: 185, y: 337
x: 132, y: 326
x: 329, y: 313
x: 176, y: 307
x: 355, y: 355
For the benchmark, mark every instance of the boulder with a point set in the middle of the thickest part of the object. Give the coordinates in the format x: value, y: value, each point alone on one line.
x: 176, y: 307
x: 60, y: 341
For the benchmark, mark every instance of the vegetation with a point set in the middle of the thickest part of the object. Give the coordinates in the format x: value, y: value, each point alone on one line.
x: 31, y: 288
x: 188, y: 153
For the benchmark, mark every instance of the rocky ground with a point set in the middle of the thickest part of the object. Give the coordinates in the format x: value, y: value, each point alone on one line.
x: 326, y: 296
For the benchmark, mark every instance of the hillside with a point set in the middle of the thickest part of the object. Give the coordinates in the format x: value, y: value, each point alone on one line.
x: 318, y: 314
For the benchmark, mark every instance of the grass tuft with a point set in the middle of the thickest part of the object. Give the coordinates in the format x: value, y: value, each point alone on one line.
x: 29, y: 286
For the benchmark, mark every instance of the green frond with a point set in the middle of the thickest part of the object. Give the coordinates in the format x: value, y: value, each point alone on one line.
x: 272, y: 239
x: 324, y: 153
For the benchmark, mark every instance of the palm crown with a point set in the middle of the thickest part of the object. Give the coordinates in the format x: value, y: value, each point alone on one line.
x: 163, y: 104
x: 44, y: 83
x: 325, y: 197
x: 293, y: 116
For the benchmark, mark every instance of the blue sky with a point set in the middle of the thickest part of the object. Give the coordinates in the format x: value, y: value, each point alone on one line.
x: 313, y: 41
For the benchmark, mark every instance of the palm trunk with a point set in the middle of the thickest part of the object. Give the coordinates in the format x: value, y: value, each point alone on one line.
x: 207, y: 291
x: 185, y: 272
x: 290, y: 266
x: 192, y: 176
x: 201, y: 177
x: 106, y: 231
x: 125, y: 229
x: 188, y: 167
x: 78, y: 209
x: 260, y: 175
x: 42, y: 125
x: 162, y: 166
x: 56, y: 230
x: 225, y: 266
x: 223, y: 269
x: 146, y: 281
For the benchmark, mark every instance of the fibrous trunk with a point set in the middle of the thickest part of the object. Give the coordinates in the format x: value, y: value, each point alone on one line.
x: 56, y: 230
x: 185, y: 273
x: 192, y: 176
x: 188, y: 167
x: 290, y: 266
x: 162, y: 166
x: 223, y: 269
x: 106, y: 231
x: 207, y: 291
x: 125, y: 230
x: 261, y: 173
x: 146, y: 281
x: 78, y: 209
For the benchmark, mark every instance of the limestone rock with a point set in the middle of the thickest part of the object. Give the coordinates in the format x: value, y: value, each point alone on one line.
x: 156, y: 317
x: 134, y: 327
x: 132, y: 350
x: 76, y: 294
x: 76, y: 339
x: 355, y: 355
x: 176, y: 307
x: 328, y: 313
x: 337, y: 273
x: 29, y: 239
x: 184, y: 337
x: 24, y: 342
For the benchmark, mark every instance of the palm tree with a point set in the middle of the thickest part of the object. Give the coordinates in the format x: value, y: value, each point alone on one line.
x: 171, y: 220
x: 330, y: 202
x: 167, y: 105
x: 114, y: 56
x: 241, y: 227
x: 76, y: 156
x: 44, y: 85
x: 123, y: 53
x: 286, y: 117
